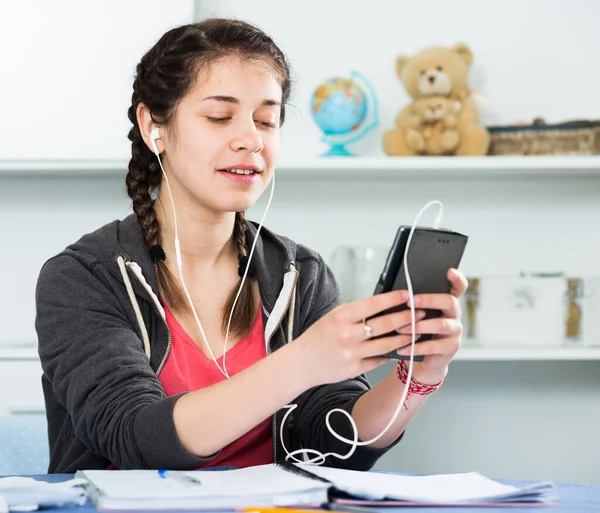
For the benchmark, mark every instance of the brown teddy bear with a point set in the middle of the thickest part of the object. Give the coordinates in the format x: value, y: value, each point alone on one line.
x: 437, y: 72
x: 433, y: 121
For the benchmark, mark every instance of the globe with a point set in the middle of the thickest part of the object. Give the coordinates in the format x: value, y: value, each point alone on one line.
x: 339, y: 106
x: 345, y: 110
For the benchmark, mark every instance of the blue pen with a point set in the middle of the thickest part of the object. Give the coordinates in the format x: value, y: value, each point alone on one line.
x: 184, y: 478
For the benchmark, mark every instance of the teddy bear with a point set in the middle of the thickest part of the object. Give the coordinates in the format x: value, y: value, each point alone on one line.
x: 433, y: 121
x: 438, y: 72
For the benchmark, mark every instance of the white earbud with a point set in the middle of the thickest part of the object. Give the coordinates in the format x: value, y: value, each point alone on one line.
x: 153, y: 136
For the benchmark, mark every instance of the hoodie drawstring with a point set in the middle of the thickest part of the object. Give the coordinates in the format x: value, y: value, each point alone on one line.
x: 135, y: 305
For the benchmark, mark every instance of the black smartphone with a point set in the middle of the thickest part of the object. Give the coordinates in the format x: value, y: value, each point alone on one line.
x: 432, y: 252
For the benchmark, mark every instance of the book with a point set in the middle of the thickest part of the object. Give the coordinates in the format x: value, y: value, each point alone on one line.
x: 294, y: 485
x: 260, y: 486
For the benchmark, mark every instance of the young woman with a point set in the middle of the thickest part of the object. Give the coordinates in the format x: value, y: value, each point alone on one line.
x: 133, y: 318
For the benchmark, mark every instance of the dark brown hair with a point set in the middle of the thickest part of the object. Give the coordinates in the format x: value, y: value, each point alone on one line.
x: 163, y: 77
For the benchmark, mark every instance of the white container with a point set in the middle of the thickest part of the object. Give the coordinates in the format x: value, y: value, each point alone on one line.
x: 521, y: 311
x: 357, y: 269
x: 590, y: 329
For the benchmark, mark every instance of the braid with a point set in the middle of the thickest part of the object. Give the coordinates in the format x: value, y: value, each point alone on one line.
x: 240, y: 233
x: 140, y: 188
x: 242, y: 321
x: 142, y: 179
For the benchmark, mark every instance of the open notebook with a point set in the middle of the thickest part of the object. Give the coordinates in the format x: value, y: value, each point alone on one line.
x: 295, y: 485
x: 385, y: 489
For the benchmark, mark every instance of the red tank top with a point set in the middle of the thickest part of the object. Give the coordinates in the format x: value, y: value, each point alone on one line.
x: 188, y: 369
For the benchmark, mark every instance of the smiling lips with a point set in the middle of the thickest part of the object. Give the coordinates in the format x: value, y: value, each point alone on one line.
x: 241, y: 173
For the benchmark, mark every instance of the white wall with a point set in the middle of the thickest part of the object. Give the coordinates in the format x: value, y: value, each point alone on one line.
x: 531, y: 57
x: 38, y: 219
x: 519, y: 420
x: 67, y: 69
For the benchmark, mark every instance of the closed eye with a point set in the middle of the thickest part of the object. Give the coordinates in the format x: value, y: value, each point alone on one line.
x: 218, y: 120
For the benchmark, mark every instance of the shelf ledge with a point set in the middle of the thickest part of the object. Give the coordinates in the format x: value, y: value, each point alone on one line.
x: 361, y: 168
x: 19, y: 353
x: 528, y: 354
x: 467, y: 354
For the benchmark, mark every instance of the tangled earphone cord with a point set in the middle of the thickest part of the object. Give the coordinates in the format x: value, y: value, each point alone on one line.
x: 320, y: 458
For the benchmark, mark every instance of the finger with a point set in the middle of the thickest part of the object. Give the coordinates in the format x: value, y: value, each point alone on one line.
x: 370, y: 364
x: 458, y: 281
x: 384, y: 345
x: 446, y: 303
x: 388, y: 323
x: 364, y: 308
x: 439, y: 326
x: 440, y: 346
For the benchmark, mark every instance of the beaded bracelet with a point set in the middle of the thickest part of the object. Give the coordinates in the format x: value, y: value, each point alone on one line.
x: 415, y: 387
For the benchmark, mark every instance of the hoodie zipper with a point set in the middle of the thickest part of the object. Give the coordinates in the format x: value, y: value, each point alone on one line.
x: 169, y: 345
x: 292, y: 269
x: 137, y: 272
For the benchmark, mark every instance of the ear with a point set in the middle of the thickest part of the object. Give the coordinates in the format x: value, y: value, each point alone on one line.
x: 401, y: 63
x: 464, y: 51
x: 146, y: 124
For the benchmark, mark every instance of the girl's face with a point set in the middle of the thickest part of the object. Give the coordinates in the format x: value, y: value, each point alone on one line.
x: 221, y: 149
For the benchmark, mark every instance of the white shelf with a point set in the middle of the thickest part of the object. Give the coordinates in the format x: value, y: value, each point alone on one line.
x: 467, y: 354
x: 67, y: 168
x: 490, y: 167
x: 19, y: 353
x: 527, y: 354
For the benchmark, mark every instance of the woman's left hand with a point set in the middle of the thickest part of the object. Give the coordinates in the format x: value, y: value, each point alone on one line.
x: 446, y: 330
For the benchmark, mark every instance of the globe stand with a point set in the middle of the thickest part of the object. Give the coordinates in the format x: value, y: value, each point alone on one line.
x: 338, y: 150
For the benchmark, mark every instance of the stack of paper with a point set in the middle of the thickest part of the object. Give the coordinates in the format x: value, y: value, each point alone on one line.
x: 24, y: 493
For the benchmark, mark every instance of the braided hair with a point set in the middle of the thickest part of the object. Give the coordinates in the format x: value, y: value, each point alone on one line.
x: 163, y: 77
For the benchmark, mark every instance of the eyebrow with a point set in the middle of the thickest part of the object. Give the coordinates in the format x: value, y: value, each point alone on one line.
x: 235, y: 101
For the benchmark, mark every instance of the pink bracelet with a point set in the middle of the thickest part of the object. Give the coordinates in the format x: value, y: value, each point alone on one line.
x: 415, y: 387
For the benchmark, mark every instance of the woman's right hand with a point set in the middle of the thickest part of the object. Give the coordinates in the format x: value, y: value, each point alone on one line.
x: 337, y: 346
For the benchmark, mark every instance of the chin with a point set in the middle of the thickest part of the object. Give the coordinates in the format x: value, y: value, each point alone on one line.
x: 239, y: 206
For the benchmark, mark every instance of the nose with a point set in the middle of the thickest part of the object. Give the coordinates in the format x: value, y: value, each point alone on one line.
x: 247, y: 139
x: 431, y: 79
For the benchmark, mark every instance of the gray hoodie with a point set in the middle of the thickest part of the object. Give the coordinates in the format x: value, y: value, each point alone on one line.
x: 103, y: 341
